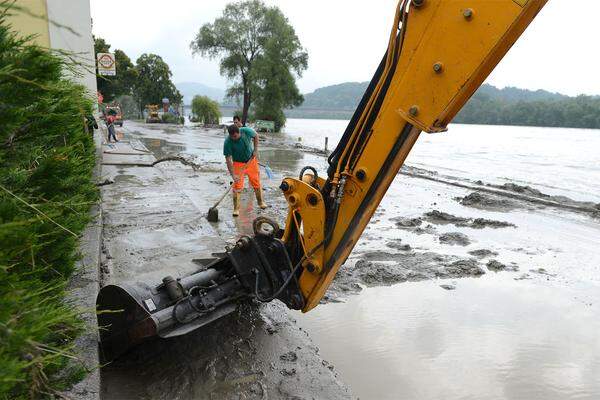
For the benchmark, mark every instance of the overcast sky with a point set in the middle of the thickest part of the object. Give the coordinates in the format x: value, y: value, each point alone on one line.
x: 345, y: 40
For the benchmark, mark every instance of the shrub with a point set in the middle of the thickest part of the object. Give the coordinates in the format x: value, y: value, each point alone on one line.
x: 46, y: 162
x: 169, y: 118
x: 205, y: 110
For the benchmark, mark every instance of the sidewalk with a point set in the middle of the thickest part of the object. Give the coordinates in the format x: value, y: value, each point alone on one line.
x: 81, y: 292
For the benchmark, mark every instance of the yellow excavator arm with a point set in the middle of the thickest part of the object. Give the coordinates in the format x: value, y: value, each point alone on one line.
x: 439, y: 53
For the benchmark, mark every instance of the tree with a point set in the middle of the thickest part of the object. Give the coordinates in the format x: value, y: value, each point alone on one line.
x: 153, y: 81
x: 121, y: 84
x: 205, y: 110
x: 126, y: 74
x: 276, y: 85
x: 249, y: 38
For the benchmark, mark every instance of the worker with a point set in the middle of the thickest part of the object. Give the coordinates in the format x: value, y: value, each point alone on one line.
x: 241, y: 155
x: 110, y: 124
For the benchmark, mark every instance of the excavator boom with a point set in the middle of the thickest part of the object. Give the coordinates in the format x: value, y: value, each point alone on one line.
x: 439, y: 53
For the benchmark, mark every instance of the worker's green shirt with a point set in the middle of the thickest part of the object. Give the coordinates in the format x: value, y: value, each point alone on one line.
x: 240, y: 150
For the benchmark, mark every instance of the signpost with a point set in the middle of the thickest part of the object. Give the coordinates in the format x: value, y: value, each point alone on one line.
x: 106, y: 64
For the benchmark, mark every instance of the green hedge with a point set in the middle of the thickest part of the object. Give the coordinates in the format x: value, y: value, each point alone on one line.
x: 46, y: 189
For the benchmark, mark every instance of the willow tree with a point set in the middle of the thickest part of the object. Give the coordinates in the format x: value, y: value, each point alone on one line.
x: 252, y: 40
x: 205, y: 110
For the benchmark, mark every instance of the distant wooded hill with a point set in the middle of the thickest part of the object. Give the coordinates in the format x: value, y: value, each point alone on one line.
x: 489, y: 105
x: 191, y: 89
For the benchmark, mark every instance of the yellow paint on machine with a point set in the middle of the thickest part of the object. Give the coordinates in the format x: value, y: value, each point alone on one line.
x: 522, y: 3
x: 449, y: 48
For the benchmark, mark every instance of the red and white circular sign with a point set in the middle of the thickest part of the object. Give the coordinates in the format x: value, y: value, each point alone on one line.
x: 106, y: 64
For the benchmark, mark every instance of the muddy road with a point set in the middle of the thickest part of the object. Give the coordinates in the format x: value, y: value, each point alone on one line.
x: 434, y: 234
x: 154, y: 225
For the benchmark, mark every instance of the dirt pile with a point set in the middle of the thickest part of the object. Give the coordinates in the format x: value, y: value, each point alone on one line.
x: 454, y: 238
x: 526, y: 190
x: 497, y: 266
x: 486, y: 201
x: 397, y: 245
x: 403, y: 222
x: 380, y: 268
x: 483, y: 253
x: 441, y: 218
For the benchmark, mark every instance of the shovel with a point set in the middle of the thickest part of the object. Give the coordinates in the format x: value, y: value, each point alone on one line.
x: 213, y: 212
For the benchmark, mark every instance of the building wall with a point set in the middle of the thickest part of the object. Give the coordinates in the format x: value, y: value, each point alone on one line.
x: 29, y: 24
x: 76, y: 40
x: 62, y: 25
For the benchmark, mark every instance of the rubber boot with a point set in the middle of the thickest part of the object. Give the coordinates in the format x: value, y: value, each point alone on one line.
x: 259, y: 198
x: 236, y: 204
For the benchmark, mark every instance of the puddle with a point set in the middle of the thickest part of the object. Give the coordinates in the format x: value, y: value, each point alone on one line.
x: 492, y: 338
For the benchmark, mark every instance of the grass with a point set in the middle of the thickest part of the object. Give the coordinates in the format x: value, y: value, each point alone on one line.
x: 46, y: 189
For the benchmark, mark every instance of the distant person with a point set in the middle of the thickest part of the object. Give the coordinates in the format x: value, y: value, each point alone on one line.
x: 110, y: 124
x: 241, y: 155
x: 237, y: 121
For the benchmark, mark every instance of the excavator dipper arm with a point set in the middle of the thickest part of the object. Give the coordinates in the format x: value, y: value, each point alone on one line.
x: 439, y: 53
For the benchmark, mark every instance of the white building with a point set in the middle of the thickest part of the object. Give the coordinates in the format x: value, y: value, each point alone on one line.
x: 64, y: 25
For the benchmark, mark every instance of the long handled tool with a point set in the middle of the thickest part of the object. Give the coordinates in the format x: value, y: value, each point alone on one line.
x: 213, y: 212
x: 268, y: 170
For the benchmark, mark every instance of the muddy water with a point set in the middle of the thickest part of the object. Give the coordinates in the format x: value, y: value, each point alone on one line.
x: 493, y: 338
x: 529, y: 331
x: 153, y: 225
x: 558, y: 161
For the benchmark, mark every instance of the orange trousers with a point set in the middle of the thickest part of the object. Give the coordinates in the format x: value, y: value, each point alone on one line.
x: 251, y: 169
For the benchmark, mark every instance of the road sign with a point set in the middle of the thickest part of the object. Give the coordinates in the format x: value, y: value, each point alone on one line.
x: 106, y: 64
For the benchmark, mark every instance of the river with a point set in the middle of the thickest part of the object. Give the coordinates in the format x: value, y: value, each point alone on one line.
x: 557, y: 161
x: 520, y: 336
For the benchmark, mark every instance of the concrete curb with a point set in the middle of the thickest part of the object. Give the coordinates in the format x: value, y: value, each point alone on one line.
x: 82, y: 291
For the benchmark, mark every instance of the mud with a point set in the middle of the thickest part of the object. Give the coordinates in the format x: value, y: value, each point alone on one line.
x: 412, y: 224
x: 487, y: 201
x: 542, y: 271
x: 438, y: 217
x: 483, y: 253
x: 497, y: 266
x: 507, y: 196
x: 255, y: 353
x: 154, y: 225
x: 537, y: 194
x: 397, y: 245
x: 448, y: 286
x: 455, y: 239
x: 381, y: 268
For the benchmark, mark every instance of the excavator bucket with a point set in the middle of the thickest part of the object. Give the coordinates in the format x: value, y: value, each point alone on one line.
x: 130, y: 313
